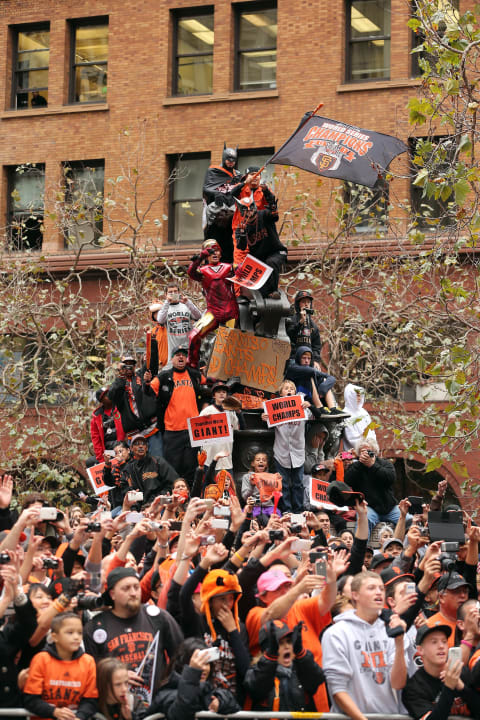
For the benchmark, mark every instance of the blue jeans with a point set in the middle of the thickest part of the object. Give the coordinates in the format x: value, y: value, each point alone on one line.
x: 374, y: 518
x: 155, y: 444
x: 292, y: 488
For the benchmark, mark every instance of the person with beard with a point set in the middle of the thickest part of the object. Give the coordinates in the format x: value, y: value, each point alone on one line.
x: 221, y: 184
x: 127, y: 630
x: 257, y: 234
x: 179, y: 397
x: 151, y: 475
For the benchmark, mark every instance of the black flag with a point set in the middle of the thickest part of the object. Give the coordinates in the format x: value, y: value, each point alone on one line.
x: 337, y: 150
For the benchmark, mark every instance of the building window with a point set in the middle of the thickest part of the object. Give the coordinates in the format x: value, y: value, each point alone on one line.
x: 83, y: 207
x: 186, y: 202
x: 89, y: 48
x: 433, y: 203
x: 368, y: 40
x: 249, y: 157
x: 366, y: 209
x: 26, y: 184
x: 256, y: 47
x: 30, y: 67
x: 193, y: 47
x: 450, y: 10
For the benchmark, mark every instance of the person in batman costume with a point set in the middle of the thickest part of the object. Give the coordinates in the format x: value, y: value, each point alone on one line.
x: 221, y: 184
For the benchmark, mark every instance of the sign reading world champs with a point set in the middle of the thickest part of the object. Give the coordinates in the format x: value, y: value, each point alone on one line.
x: 338, y: 150
x: 258, y: 361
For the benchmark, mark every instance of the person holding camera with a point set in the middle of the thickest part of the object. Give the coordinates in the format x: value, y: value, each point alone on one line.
x: 452, y: 593
x: 442, y: 687
x: 131, y: 394
x: 301, y: 328
x: 374, y: 477
x: 147, y: 474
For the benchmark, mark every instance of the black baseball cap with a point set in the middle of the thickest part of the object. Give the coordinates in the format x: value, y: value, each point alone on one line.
x: 425, y: 630
x: 183, y: 349
x: 380, y: 558
x: 281, y: 630
x: 452, y: 581
x: 391, y: 574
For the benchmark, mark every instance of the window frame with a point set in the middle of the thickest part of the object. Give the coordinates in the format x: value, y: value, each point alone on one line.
x: 415, y: 193
x: 97, y: 224
x: 172, y: 161
x: 16, y: 30
x: 38, y: 169
x: 239, y: 10
x: 74, y: 24
x: 349, y: 41
x: 179, y: 15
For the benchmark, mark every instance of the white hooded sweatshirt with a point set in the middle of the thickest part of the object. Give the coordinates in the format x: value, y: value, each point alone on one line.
x: 359, y: 419
x: 357, y: 659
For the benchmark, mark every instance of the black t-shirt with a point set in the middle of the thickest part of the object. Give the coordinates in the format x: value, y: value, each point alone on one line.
x: 128, y: 638
x: 425, y: 695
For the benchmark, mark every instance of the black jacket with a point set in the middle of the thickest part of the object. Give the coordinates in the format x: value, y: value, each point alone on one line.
x: 184, y: 695
x: 14, y: 637
x: 296, y: 688
x: 145, y: 401
x: 152, y: 475
x: 374, y: 482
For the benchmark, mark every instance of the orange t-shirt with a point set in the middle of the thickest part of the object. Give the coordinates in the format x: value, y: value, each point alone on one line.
x: 183, y: 403
x: 62, y: 683
x: 306, y: 610
x: 439, y: 619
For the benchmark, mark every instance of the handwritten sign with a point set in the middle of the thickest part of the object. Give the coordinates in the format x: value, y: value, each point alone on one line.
x: 284, y: 409
x: 267, y: 484
x: 209, y: 429
x: 252, y: 273
x: 319, y: 498
x: 95, y: 475
x: 258, y: 361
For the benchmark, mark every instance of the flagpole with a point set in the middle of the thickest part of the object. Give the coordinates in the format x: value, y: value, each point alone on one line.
x: 320, y: 105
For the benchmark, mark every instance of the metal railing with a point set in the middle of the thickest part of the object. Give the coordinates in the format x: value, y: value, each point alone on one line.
x: 244, y: 715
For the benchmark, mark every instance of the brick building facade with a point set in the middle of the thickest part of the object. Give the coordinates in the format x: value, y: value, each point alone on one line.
x: 80, y: 80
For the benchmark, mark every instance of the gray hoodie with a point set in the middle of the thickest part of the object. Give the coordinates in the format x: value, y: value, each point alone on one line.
x: 357, y: 659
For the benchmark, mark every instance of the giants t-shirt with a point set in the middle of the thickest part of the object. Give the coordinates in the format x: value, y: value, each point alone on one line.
x: 183, y: 403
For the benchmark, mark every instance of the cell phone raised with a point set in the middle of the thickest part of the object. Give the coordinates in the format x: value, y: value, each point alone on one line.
x: 300, y: 545
x: 321, y: 567
x: 454, y: 655
x: 210, y: 654
x: 219, y: 523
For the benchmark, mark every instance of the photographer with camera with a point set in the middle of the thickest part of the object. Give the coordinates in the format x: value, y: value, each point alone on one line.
x: 452, y: 593
x: 131, y: 394
x: 301, y: 328
x: 374, y: 477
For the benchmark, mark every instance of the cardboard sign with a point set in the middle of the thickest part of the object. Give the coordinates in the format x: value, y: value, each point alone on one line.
x: 267, y: 484
x: 284, y: 409
x: 95, y: 475
x: 209, y: 429
x: 252, y: 273
x: 319, y: 498
x: 258, y: 361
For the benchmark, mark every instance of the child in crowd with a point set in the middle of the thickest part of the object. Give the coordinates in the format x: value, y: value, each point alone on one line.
x: 61, y: 683
x: 289, y: 454
x: 286, y: 676
x: 249, y: 484
x: 222, y: 448
x: 115, y: 701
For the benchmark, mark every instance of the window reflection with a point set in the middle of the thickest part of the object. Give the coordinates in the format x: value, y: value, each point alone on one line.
x: 90, y: 63
x: 193, y: 71
x: 32, y: 53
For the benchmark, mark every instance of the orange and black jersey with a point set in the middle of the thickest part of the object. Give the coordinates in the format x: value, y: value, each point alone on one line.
x: 54, y: 683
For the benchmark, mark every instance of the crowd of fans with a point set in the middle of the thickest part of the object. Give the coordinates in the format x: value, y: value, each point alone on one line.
x: 190, y: 587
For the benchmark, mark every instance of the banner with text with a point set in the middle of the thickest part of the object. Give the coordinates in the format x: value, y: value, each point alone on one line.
x: 258, y: 361
x: 209, y: 429
x: 319, y: 497
x: 95, y: 475
x: 252, y: 273
x: 283, y: 410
